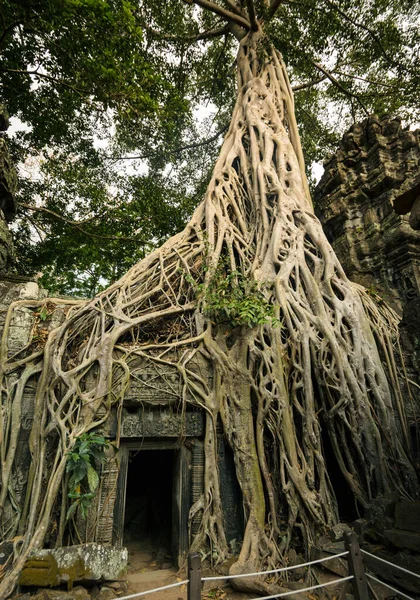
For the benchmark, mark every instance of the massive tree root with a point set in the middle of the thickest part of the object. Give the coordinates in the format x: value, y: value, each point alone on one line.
x: 275, y: 386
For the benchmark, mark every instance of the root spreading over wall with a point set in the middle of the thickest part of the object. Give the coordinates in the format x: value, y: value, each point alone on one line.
x: 325, y: 363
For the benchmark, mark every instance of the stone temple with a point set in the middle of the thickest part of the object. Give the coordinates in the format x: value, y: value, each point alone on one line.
x: 369, y: 203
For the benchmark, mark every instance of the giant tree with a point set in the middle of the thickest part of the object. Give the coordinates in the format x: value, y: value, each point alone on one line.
x: 297, y: 353
x: 137, y: 88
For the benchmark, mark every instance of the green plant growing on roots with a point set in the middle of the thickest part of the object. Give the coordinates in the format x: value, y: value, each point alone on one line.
x: 275, y: 389
x: 87, y: 455
x: 231, y: 299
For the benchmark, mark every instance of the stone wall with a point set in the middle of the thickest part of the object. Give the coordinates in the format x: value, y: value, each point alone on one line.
x: 368, y: 183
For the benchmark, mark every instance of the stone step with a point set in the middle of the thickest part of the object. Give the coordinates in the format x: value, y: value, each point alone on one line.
x: 408, y: 540
x: 407, y: 516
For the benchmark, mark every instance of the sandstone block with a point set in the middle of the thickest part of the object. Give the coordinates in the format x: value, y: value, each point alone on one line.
x: 403, y: 539
x: 87, y: 562
x: 415, y: 214
x: 407, y: 516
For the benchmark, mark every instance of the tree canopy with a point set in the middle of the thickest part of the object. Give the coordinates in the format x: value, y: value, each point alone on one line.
x: 99, y: 82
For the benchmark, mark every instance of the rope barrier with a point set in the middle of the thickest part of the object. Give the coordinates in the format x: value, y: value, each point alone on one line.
x: 307, y: 564
x: 308, y: 589
x: 389, y: 587
x: 390, y: 564
x: 159, y: 589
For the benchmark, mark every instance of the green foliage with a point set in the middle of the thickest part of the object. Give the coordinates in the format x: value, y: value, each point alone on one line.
x: 230, y: 297
x: 83, y: 461
x: 99, y: 81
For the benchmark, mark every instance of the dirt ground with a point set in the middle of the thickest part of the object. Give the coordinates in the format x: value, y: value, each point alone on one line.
x: 150, y: 567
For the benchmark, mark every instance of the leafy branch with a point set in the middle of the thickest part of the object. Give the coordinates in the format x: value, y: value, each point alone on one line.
x: 82, y: 463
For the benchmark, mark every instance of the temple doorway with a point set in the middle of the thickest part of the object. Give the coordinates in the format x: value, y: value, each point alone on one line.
x: 148, y: 501
x: 153, y: 499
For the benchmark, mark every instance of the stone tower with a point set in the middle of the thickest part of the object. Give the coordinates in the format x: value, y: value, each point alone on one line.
x: 363, y: 199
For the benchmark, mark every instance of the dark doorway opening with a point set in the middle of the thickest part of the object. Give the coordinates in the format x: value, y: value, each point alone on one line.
x: 148, y: 501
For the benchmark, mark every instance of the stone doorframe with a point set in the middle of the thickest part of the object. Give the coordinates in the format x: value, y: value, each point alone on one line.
x: 181, y: 491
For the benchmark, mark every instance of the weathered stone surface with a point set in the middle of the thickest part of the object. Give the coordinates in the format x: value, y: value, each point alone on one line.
x: 338, y: 566
x: 77, y: 593
x: 162, y: 423
x: 6, y: 246
x: 21, y: 326
x: 87, y: 562
x: 390, y: 573
x: 4, y: 118
x: 380, y: 513
x: 105, y: 593
x: 414, y: 219
x: 338, y: 531
x: 8, y: 183
x: 377, y: 162
x: 406, y: 540
x: 407, y: 516
x: 374, y: 174
x: 157, y: 384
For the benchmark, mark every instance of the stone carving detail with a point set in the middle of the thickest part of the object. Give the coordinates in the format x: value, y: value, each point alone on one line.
x: 369, y: 183
x: 153, y: 423
x: 155, y: 383
x: 375, y: 170
x: 147, y: 384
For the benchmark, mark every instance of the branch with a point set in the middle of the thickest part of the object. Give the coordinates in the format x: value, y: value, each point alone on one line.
x: 369, y: 31
x: 387, y: 85
x: 353, y: 22
x: 212, y: 33
x: 9, y: 28
x: 222, y: 12
x: 252, y: 15
x: 76, y: 224
x: 273, y: 8
x: 81, y: 92
x: 331, y: 77
x: 234, y: 7
x: 205, y: 35
x: 308, y: 84
x: 176, y: 151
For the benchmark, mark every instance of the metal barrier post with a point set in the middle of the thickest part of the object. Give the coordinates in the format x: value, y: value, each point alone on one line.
x: 356, y: 567
x: 194, y: 576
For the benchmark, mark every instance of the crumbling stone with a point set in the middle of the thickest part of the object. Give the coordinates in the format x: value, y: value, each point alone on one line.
x: 105, y: 593
x: 8, y: 183
x: 415, y: 214
x: 87, y: 562
x: 390, y: 573
x: 368, y: 186
x: 4, y: 118
x: 376, y: 166
x: 407, y: 516
x: 338, y: 531
x: 406, y: 540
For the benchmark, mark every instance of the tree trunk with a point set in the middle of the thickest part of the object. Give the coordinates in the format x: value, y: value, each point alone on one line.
x: 277, y: 383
